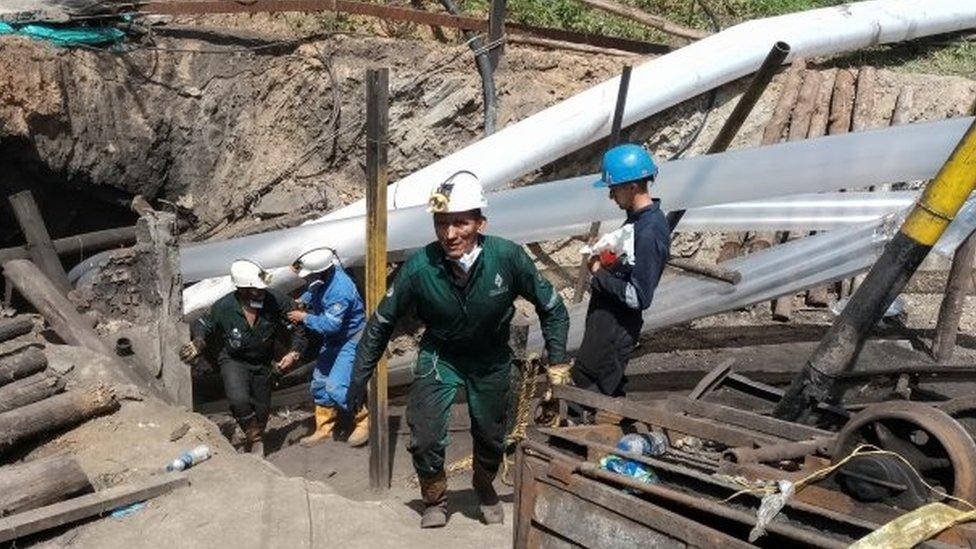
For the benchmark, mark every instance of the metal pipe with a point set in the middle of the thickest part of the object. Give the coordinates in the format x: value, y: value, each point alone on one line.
x: 760, y: 81
x: 840, y: 347
x: 778, y: 452
x: 79, y: 243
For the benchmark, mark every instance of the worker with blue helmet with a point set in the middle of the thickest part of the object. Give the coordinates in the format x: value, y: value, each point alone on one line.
x: 623, y: 282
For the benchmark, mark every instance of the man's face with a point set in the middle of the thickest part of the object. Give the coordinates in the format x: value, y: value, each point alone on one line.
x: 252, y: 295
x: 623, y: 195
x: 458, y: 232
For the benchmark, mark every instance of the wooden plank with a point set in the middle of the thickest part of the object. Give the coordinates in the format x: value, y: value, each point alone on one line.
x: 706, y: 429
x: 496, y: 32
x: 393, y: 13
x: 958, y: 286
x: 40, y: 482
x: 39, y: 243
x: 377, y: 124
x: 644, y: 18
x: 66, y: 512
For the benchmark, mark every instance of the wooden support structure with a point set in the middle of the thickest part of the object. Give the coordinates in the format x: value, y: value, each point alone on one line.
x: 66, y: 512
x: 819, y: 296
x: 84, y: 245
x: 21, y: 363
x: 841, y: 113
x: 53, y: 305
x: 377, y: 124
x: 40, y: 482
x: 53, y: 414
x: 644, y: 18
x: 39, y: 244
x: 772, y: 134
x: 15, y: 327
x: 29, y: 390
x: 958, y: 286
x: 800, y: 120
x: 496, y: 32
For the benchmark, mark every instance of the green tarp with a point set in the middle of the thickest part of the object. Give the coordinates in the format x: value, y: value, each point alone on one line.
x: 65, y: 36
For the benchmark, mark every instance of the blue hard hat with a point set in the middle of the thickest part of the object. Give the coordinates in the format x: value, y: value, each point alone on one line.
x: 625, y: 164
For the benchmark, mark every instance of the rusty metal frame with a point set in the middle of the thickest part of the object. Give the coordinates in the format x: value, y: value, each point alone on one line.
x: 744, y: 418
x: 393, y: 13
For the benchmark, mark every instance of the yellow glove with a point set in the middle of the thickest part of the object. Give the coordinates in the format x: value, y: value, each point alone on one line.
x: 559, y: 374
x: 190, y: 351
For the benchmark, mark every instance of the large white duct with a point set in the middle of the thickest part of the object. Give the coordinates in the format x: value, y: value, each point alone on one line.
x: 551, y: 210
x: 659, y: 84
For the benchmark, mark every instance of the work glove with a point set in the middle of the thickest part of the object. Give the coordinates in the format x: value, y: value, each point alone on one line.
x: 355, y: 396
x: 190, y: 351
x: 559, y: 374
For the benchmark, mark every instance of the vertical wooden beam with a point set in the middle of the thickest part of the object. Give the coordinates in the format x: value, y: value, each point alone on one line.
x: 496, y: 32
x: 958, y: 286
x: 377, y: 122
x: 38, y: 240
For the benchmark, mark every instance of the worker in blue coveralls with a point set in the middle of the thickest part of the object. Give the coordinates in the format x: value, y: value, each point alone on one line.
x: 333, y: 309
x: 623, y: 284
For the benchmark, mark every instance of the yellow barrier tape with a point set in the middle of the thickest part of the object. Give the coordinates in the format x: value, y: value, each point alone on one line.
x: 914, y: 527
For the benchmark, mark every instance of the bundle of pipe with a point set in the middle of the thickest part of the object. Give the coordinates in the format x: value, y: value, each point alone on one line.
x: 661, y: 83
x: 559, y: 208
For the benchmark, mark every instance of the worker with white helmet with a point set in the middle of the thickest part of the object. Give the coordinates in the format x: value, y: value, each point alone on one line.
x: 462, y: 288
x: 246, y: 323
x: 334, y: 310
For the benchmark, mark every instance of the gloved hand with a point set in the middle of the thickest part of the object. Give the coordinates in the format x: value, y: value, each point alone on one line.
x: 559, y: 374
x: 355, y: 396
x: 191, y: 351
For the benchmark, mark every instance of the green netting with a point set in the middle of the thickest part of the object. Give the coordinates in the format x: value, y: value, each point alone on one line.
x: 65, y: 36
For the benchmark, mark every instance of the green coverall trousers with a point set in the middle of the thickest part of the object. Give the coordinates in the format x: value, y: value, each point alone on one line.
x: 437, y: 379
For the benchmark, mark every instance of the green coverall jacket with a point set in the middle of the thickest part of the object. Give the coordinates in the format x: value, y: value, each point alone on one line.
x: 465, y: 343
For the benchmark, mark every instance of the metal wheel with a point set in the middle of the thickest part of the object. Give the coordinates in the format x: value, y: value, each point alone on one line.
x: 936, y: 445
x: 963, y: 410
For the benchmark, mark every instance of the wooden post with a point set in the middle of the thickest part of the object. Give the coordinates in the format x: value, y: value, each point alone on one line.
x: 15, y: 327
x: 496, y: 32
x: 818, y: 297
x: 53, y: 414
x: 38, y: 240
x: 377, y: 122
x: 53, y: 305
x: 800, y: 120
x: 28, y: 391
x: 20, y: 364
x: 40, y: 482
x: 841, y: 112
x: 958, y: 286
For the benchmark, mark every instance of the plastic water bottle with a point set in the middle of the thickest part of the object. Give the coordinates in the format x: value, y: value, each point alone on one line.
x: 647, y: 444
x: 191, y: 458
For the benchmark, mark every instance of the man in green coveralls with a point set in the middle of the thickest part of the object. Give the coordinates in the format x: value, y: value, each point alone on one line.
x: 462, y: 287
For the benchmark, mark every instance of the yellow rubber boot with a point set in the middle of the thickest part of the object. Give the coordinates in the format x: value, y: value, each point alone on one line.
x: 360, y: 431
x: 325, y: 421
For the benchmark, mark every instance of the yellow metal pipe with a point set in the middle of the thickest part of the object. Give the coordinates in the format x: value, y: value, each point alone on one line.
x: 945, y: 194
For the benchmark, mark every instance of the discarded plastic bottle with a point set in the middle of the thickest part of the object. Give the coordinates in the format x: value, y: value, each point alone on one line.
x: 647, y: 444
x: 191, y: 458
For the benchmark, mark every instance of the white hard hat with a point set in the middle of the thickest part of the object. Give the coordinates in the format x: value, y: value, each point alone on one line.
x: 459, y: 193
x: 245, y: 273
x: 315, y: 261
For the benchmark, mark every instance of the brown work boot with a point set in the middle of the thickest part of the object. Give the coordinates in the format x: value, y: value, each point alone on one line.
x: 360, y: 430
x: 325, y: 421
x: 488, y: 502
x: 254, y: 435
x: 433, y: 490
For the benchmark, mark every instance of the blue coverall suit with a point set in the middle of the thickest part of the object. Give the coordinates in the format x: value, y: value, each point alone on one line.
x: 335, y: 311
